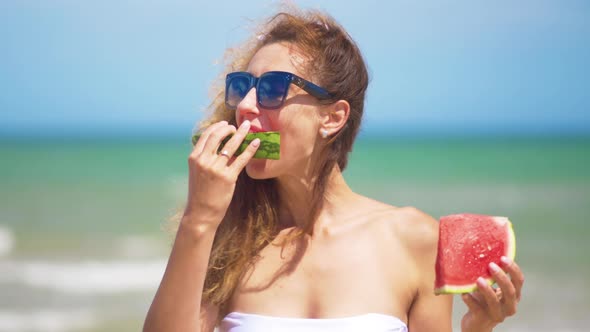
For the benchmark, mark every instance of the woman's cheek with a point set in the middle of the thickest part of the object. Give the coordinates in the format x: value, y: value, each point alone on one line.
x: 274, y: 124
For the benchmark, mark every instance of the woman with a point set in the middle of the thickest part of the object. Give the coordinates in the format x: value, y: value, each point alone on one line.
x: 286, y: 245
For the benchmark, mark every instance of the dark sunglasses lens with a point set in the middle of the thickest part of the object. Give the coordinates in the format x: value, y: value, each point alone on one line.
x: 272, y: 90
x: 237, y: 88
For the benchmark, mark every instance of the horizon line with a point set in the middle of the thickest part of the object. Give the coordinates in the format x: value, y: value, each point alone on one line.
x: 179, y: 135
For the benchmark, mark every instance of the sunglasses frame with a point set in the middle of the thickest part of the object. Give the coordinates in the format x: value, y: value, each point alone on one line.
x: 307, y: 86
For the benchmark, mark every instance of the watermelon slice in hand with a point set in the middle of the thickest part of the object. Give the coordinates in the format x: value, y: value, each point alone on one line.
x: 467, y: 244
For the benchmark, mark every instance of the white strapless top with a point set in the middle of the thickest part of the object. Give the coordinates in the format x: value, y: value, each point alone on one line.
x: 241, y: 322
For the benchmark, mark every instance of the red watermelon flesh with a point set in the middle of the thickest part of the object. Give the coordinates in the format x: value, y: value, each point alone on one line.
x: 467, y: 244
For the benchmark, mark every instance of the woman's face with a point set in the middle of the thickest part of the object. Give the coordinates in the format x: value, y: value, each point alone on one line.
x: 297, y: 120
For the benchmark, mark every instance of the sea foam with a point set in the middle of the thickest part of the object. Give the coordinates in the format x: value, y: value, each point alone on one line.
x: 86, y: 276
x: 47, y: 320
x: 6, y: 241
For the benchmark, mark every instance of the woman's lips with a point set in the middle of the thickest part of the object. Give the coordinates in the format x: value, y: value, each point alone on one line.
x: 255, y: 129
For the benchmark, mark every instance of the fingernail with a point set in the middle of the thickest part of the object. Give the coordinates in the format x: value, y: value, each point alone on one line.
x: 494, y: 267
x: 481, y: 281
x: 506, y: 260
x: 245, y: 124
x: 256, y: 142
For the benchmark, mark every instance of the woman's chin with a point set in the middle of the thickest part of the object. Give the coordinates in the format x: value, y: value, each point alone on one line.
x: 258, y: 169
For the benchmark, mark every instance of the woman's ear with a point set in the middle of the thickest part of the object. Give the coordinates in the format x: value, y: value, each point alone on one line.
x: 334, y: 117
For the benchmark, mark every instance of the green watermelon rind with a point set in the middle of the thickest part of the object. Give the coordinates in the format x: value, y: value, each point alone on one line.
x: 468, y: 288
x: 270, y: 144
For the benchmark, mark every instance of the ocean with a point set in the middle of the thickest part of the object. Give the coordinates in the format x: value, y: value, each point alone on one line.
x: 83, y: 243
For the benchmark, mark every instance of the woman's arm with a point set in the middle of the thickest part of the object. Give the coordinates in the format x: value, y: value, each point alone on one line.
x: 177, y: 304
x: 428, y: 311
x: 431, y: 312
x: 212, y: 180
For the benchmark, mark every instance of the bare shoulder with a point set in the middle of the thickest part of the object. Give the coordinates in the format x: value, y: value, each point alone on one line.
x: 411, y: 227
x: 417, y: 229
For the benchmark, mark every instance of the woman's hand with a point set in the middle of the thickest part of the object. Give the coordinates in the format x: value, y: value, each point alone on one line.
x: 213, y: 175
x: 488, y: 306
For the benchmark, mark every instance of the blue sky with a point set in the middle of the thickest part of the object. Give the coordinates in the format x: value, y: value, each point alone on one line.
x: 436, y: 67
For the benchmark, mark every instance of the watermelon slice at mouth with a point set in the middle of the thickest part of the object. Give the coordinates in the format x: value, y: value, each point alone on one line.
x: 467, y: 244
x: 270, y: 144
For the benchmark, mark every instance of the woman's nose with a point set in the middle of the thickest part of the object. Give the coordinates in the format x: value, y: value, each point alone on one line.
x: 248, y: 105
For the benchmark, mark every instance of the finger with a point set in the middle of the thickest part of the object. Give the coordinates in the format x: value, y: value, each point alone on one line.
x: 515, y: 273
x: 507, y: 289
x: 245, y: 156
x: 234, y: 143
x: 198, y: 148
x: 492, y: 302
x: 476, y: 294
x: 216, y: 137
x: 471, y: 302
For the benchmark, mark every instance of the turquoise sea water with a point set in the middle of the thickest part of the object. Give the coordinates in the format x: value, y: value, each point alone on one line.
x: 82, y: 246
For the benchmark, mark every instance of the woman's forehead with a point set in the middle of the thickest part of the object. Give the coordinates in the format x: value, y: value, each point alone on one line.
x: 277, y: 56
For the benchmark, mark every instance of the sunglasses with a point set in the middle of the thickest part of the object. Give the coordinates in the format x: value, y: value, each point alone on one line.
x: 271, y: 88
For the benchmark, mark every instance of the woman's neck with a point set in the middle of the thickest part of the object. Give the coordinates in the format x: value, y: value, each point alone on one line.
x: 296, y: 196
